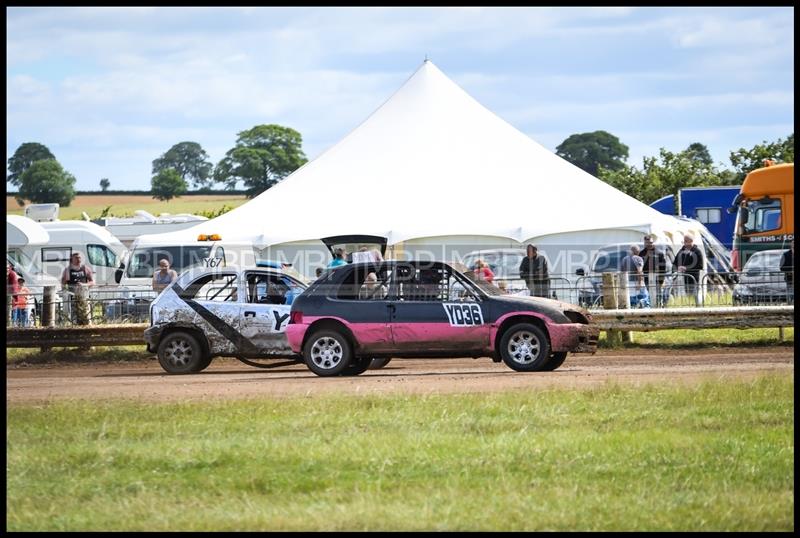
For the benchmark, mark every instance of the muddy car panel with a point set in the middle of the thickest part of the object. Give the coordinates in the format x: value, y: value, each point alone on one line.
x: 231, y: 309
x: 442, y: 322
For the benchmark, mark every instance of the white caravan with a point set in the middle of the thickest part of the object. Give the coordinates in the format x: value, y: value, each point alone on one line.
x: 127, y: 229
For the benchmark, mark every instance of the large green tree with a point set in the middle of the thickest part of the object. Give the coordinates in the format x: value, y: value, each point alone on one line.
x: 747, y: 160
x: 591, y: 151
x: 167, y: 184
x: 699, y: 152
x: 190, y: 160
x: 27, y: 154
x: 262, y: 156
x: 664, y: 175
x: 45, y: 181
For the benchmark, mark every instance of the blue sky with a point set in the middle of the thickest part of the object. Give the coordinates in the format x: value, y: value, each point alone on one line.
x: 110, y: 89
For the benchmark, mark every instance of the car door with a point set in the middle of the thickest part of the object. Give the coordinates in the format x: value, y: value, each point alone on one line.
x: 264, y: 312
x: 365, y: 313
x: 427, y: 316
x: 214, y: 300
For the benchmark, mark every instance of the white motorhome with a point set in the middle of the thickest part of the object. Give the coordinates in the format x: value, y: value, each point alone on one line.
x: 101, y: 251
x: 146, y: 251
x: 127, y: 229
x: 22, y: 232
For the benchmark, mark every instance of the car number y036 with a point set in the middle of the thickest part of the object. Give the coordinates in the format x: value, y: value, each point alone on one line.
x: 463, y: 315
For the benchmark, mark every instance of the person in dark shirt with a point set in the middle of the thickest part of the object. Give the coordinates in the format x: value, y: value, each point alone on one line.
x: 654, y: 268
x: 787, y: 267
x: 689, y: 261
x: 533, y: 270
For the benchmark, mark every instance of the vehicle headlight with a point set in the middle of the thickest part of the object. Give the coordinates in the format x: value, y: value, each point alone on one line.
x: 576, y: 317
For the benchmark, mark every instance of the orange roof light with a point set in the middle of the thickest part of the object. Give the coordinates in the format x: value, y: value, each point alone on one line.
x: 214, y: 237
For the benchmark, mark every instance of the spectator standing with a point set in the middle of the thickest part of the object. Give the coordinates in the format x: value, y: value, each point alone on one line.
x: 20, y: 316
x: 654, y: 268
x: 689, y: 260
x: 12, y: 280
x: 787, y: 267
x: 164, y: 276
x: 338, y: 258
x: 76, y: 273
x: 533, y: 270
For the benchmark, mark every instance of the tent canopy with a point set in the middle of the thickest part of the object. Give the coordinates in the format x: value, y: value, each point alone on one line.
x: 431, y: 161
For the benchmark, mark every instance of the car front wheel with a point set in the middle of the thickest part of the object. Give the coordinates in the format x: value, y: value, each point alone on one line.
x: 180, y: 353
x: 327, y: 353
x: 524, y: 348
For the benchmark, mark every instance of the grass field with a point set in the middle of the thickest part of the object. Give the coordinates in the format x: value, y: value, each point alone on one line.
x: 125, y: 205
x: 715, y: 456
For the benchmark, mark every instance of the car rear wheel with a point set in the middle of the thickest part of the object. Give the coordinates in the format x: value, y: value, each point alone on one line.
x: 327, y: 353
x: 180, y: 353
x: 524, y: 348
x: 379, y: 363
x: 556, y: 359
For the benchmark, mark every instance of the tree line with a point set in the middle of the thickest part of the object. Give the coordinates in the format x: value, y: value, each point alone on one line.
x: 265, y: 154
x: 261, y: 157
x: 603, y: 155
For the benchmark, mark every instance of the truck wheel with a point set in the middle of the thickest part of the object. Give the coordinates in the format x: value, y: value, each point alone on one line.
x: 379, y: 363
x: 358, y: 366
x: 557, y: 358
x: 327, y: 353
x: 180, y: 353
x: 524, y: 348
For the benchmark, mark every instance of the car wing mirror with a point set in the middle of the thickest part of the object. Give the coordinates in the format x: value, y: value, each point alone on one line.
x: 580, y: 271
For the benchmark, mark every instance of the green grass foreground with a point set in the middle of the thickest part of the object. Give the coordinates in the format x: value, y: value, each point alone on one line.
x: 713, y: 456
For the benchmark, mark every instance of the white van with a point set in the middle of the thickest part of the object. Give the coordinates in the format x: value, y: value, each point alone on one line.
x: 101, y: 251
x: 141, y: 262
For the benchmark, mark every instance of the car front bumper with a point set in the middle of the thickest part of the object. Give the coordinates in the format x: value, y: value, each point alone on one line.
x: 574, y: 337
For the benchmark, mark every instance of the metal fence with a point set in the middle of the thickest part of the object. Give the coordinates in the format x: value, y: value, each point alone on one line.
x: 670, y: 290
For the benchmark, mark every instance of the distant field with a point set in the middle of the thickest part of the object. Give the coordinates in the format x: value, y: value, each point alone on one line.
x: 124, y: 205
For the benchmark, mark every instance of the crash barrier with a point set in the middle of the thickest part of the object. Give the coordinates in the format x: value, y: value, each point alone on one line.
x: 668, y: 290
x: 84, y: 306
x: 654, y: 319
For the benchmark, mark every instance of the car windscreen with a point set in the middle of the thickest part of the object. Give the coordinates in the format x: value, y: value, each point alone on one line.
x: 607, y: 260
x: 143, y: 261
x: 763, y: 262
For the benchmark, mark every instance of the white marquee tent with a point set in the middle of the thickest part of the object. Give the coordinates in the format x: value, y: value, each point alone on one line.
x: 432, y: 166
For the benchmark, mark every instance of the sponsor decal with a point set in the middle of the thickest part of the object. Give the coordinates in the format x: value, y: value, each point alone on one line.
x: 463, y: 315
x: 768, y: 238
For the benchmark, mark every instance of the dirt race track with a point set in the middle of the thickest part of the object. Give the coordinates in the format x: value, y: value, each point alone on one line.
x: 229, y: 378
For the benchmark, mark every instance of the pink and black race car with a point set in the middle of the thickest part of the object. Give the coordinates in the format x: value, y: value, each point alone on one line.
x: 404, y: 309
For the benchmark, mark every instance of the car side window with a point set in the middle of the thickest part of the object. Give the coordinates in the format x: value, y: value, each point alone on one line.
x: 266, y: 288
x: 365, y: 283
x: 213, y: 287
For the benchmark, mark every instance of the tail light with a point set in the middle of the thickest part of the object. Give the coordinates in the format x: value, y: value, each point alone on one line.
x: 735, y: 259
x: 296, y: 317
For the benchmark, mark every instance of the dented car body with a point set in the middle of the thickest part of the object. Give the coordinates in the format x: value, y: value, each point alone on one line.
x: 230, y: 311
x: 429, y: 309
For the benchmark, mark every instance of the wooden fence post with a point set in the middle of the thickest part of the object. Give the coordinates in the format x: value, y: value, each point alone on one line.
x: 81, y: 305
x: 610, y: 302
